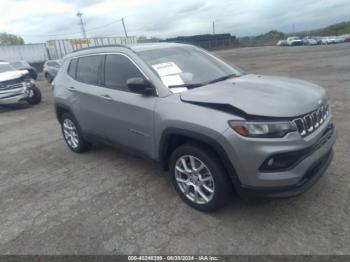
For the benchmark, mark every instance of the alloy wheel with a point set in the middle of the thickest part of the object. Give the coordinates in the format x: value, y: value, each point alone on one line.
x: 70, y: 133
x: 194, y: 179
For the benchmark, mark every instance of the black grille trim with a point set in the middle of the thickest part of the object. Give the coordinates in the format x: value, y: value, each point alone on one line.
x: 312, y: 121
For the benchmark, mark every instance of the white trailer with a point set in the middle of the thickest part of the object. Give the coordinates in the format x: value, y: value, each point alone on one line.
x: 32, y: 53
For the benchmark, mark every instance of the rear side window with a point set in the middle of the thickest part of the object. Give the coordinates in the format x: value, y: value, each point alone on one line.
x: 118, y: 69
x: 89, y: 69
x: 72, y: 69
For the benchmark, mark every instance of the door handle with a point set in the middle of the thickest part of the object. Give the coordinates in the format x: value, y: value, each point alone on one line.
x: 106, y: 97
x: 72, y: 89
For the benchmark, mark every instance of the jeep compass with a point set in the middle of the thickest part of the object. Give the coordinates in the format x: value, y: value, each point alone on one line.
x: 212, y: 126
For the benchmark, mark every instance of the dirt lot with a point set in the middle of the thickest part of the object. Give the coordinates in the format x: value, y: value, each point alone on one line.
x: 53, y: 201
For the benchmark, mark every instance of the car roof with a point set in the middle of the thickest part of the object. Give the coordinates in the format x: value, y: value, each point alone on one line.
x: 151, y: 46
x: 118, y: 48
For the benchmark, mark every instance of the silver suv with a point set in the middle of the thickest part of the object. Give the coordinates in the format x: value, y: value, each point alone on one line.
x: 50, y: 69
x: 214, y: 127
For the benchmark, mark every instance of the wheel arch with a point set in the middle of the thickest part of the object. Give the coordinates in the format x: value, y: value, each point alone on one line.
x: 173, y: 137
x: 61, y: 109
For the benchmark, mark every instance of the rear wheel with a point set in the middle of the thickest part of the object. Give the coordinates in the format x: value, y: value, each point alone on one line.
x: 199, y: 177
x: 34, y: 97
x: 73, y: 135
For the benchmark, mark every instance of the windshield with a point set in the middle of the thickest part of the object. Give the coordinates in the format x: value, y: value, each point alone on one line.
x: 5, y: 68
x: 187, y: 67
x: 20, y: 64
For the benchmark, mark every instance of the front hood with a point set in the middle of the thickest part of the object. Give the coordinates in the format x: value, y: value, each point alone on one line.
x: 256, y: 95
x: 10, y: 75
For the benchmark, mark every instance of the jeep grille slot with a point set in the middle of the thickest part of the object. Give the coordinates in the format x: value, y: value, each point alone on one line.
x: 310, y: 122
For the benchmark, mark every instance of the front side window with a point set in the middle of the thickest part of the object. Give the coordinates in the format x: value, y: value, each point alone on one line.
x: 89, y: 69
x: 187, y: 66
x: 118, y: 69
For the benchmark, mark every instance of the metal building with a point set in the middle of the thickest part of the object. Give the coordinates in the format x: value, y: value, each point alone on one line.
x: 59, y: 48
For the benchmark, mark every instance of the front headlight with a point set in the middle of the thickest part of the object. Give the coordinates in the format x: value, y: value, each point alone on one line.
x: 263, y: 129
x: 29, y: 82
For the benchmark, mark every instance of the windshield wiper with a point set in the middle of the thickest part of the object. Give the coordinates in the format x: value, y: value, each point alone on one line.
x: 221, y: 79
x: 186, y: 85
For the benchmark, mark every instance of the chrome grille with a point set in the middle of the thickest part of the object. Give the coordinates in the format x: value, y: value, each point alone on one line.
x: 14, y: 86
x: 11, y: 84
x: 310, y: 122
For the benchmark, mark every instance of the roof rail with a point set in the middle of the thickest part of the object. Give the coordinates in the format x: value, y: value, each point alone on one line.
x: 100, y: 46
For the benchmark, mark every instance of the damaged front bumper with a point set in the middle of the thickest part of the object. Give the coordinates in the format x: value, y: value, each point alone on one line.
x: 11, y: 96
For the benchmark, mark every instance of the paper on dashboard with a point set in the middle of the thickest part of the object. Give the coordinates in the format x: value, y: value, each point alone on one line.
x: 169, y: 68
x: 172, y: 80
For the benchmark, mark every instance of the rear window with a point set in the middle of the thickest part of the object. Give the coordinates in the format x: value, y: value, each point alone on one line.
x: 72, y: 69
x: 89, y: 69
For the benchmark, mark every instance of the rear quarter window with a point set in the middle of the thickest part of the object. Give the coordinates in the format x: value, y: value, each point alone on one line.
x: 72, y: 69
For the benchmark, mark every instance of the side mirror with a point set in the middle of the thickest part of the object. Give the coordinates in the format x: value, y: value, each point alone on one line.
x: 139, y: 85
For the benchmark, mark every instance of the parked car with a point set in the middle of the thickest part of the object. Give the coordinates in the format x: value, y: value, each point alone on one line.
x: 339, y: 39
x: 282, y: 43
x: 51, y: 68
x: 294, y: 41
x: 214, y: 127
x: 24, y: 65
x: 329, y: 40
x: 310, y: 41
x: 17, y: 86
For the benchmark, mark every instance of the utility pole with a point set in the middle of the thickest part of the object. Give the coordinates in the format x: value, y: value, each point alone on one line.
x: 79, y: 14
x: 213, y: 27
x: 126, y: 34
x: 293, y: 29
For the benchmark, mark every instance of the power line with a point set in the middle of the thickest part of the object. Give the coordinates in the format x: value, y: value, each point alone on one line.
x: 73, y: 33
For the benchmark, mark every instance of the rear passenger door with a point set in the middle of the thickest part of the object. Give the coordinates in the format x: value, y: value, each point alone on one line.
x: 130, y: 116
x: 87, y: 89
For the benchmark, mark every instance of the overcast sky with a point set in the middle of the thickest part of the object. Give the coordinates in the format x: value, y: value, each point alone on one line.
x: 40, y: 20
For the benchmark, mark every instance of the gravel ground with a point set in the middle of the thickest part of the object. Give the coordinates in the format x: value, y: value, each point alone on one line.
x: 53, y: 201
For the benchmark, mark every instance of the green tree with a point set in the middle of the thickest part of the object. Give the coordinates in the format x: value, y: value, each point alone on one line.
x: 9, y: 39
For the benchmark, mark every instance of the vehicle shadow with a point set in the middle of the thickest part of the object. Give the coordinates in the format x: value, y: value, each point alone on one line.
x: 13, y: 107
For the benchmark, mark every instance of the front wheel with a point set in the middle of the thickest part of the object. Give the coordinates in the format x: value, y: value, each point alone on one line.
x: 199, y: 177
x: 34, y: 97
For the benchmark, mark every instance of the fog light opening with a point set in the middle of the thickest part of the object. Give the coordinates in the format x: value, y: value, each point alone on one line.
x: 270, y: 162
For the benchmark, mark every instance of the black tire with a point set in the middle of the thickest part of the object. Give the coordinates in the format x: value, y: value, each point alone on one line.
x: 33, y: 74
x: 48, y: 77
x: 82, y: 145
x: 222, y: 183
x: 35, y: 97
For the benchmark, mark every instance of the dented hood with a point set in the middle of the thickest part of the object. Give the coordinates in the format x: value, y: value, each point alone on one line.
x: 257, y: 95
x: 10, y: 75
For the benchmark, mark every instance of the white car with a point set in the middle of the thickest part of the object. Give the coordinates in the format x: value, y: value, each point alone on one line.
x: 329, y: 40
x: 17, y: 86
x: 282, y: 43
x: 339, y: 39
x: 294, y: 41
x: 309, y: 41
